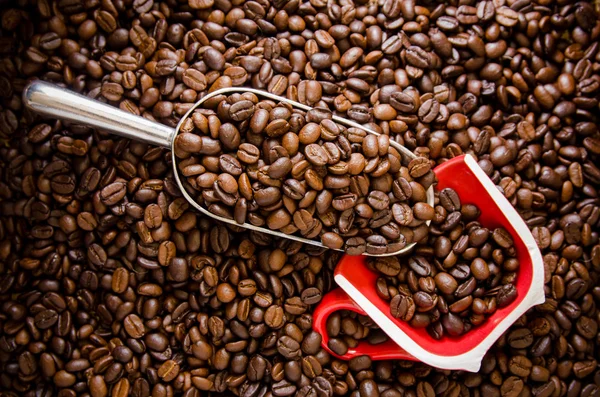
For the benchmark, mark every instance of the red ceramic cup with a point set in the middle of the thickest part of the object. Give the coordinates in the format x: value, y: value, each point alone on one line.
x: 357, y: 282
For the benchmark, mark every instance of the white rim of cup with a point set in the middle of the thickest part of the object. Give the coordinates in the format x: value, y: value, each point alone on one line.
x: 470, y: 360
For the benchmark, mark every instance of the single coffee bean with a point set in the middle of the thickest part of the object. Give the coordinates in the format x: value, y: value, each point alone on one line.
x: 134, y: 326
x: 402, y: 307
x: 338, y: 346
x: 45, y: 319
x: 113, y: 193
x: 120, y: 280
x: 445, y: 283
x: 274, y: 317
x: 506, y: 295
x: 450, y: 200
x: 168, y: 370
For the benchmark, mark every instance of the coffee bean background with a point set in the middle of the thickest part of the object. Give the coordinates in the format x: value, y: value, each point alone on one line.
x: 110, y: 285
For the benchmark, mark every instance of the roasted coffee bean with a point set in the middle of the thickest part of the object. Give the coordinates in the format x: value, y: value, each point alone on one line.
x: 338, y: 346
x: 274, y: 317
x: 506, y: 295
x: 506, y: 16
x: 168, y: 370
x: 480, y: 269
x: 402, y: 307
x: 445, y: 283
x: 419, y: 167
x: 120, y: 280
x: 134, y: 326
x: 502, y: 238
x: 450, y: 200
x: 45, y: 319
x: 288, y: 347
x: 332, y: 240
x: 113, y: 193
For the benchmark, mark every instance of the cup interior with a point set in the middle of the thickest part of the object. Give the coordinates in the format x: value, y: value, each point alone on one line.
x: 337, y: 300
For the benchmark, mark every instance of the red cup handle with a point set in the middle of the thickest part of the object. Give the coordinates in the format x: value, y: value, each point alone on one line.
x: 336, y: 300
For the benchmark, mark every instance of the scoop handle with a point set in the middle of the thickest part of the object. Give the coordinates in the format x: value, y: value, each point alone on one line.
x: 338, y: 300
x: 58, y: 102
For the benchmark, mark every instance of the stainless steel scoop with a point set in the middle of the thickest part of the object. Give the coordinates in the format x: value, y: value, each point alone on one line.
x: 54, y: 101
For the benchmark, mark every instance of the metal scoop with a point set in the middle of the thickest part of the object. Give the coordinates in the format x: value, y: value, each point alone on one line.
x: 54, y: 101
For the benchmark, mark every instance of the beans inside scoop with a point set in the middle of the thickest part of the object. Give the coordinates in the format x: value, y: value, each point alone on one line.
x: 301, y: 173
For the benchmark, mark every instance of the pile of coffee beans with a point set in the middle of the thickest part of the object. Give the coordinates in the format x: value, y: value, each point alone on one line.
x: 347, y: 329
x: 301, y: 172
x: 111, y: 285
x: 469, y: 273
